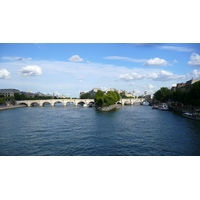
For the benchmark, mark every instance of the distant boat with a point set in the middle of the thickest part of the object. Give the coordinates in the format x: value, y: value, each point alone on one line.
x: 163, y: 106
x: 85, y: 105
x: 194, y: 115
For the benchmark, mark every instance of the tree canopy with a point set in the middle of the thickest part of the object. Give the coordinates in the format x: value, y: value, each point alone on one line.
x: 191, y: 97
x: 108, y: 99
x: 163, y: 94
x: 85, y: 96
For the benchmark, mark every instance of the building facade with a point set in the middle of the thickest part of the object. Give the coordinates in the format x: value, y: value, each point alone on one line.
x: 185, y: 86
x: 8, y: 92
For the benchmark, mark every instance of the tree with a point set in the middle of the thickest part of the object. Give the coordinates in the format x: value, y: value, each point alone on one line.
x: 108, y: 99
x: 2, y: 101
x: 163, y: 94
x: 85, y: 96
x: 99, y: 98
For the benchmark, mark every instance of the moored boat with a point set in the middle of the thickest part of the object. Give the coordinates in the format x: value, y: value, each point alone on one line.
x: 194, y: 115
x: 154, y: 107
x: 163, y: 106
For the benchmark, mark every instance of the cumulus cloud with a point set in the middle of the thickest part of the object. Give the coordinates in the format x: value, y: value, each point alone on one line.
x: 194, y: 59
x: 76, y: 58
x: 194, y: 74
x: 30, y: 71
x: 4, y: 74
x: 156, y: 62
x: 159, y: 76
x: 166, y: 76
x: 125, y: 58
x: 132, y: 76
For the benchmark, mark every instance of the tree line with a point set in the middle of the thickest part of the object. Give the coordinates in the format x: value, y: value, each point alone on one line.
x: 187, y: 98
x: 4, y: 100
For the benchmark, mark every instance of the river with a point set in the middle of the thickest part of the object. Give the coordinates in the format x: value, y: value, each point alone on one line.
x: 77, y: 131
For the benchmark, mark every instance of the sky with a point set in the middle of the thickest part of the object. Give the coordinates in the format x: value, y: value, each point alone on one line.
x: 68, y: 68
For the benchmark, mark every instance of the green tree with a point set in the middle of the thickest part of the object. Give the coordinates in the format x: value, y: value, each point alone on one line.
x: 2, y: 101
x: 99, y: 98
x: 108, y: 99
x: 85, y: 96
x: 163, y: 94
x: 194, y: 94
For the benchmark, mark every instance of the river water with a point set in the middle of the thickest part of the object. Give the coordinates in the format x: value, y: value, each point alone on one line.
x: 77, y: 131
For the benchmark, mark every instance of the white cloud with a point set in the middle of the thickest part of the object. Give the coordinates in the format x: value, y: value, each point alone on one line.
x: 4, y: 74
x: 125, y: 58
x: 76, y: 58
x: 166, y: 76
x: 125, y: 77
x: 150, y: 86
x: 184, y: 49
x: 30, y: 71
x: 175, y: 61
x: 194, y: 59
x: 156, y: 62
x: 15, y: 58
x: 156, y: 76
x: 194, y: 74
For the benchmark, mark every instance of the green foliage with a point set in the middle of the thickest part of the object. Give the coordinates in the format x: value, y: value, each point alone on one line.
x: 191, y: 97
x: 122, y: 94
x: 85, y: 96
x: 19, y: 96
x: 2, y: 101
x: 163, y: 94
x: 7, y: 100
x: 108, y: 99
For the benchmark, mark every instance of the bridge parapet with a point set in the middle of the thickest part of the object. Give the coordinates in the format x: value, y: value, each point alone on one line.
x: 54, y: 101
x: 131, y: 101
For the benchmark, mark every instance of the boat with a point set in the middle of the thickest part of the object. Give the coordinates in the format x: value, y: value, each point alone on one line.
x: 85, y: 105
x: 163, y: 106
x: 154, y: 107
x: 194, y: 115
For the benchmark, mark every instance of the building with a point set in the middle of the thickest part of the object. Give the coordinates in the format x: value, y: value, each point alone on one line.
x: 93, y: 92
x: 189, y: 84
x: 8, y: 92
x: 185, y: 86
x: 180, y: 86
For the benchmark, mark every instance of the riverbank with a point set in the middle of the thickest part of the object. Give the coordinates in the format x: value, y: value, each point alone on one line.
x: 181, y: 109
x: 11, y: 107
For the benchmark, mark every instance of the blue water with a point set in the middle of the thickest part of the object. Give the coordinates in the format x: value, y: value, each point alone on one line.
x: 77, y: 131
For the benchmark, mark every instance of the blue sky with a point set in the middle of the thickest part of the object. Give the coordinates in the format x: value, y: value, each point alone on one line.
x: 68, y: 68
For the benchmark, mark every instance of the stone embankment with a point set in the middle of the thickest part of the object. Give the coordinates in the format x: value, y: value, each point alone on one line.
x: 108, y: 108
x: 11, y: 107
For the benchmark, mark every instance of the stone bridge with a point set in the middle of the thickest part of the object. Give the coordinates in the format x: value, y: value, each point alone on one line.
x: 52, y: 102
x: 131, y: 101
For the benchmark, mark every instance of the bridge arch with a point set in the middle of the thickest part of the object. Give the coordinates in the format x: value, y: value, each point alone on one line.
x: 81, y: 102
x: 58, y: 101
x: 35, y: 103
x: 23, y: 103
x: 46, y: 103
